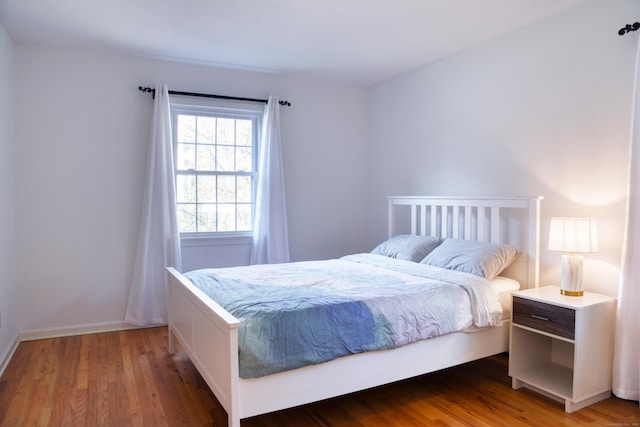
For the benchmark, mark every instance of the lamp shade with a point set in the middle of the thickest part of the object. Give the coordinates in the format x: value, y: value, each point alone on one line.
x: 573, y: 235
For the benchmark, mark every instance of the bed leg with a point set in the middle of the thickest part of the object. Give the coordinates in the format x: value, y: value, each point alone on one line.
x: 172, y: 342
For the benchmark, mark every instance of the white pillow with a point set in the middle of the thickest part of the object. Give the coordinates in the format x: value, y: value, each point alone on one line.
x: 407, y: 247
x: 479, y: 258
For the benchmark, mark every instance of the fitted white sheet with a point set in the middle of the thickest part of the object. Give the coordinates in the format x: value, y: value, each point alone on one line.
x: 505, y: 286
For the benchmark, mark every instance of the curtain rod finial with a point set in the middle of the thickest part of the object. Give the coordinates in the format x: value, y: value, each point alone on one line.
x: 147, y: 89
x: 628, y: 28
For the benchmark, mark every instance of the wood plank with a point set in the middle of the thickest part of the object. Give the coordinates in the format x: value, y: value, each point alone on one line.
x: 128, y: 378
x: 129, y: 382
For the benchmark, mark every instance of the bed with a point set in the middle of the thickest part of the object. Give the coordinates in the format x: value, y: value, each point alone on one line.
x: 209, y: 334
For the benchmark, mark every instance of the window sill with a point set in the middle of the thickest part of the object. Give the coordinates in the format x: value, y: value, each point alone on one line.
x: 187, y: 241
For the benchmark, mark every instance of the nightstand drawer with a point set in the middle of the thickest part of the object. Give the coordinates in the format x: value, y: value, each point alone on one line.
x: 544, y: 317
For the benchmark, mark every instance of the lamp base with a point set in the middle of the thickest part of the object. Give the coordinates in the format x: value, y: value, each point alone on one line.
x: 572, y: 293
x: 571, y: 283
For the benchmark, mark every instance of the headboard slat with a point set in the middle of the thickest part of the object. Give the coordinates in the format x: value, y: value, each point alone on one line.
x: 414, y: 223
x: 495, y: 225
x: 481, y: 232
x: 455, y: 213
x: 467, y: 222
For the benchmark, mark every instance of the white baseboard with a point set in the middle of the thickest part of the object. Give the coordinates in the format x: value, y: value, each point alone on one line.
x: 37, y: 334
x: 4, y: 360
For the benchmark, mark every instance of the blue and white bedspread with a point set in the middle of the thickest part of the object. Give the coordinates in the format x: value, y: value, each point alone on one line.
x: 303, y: 313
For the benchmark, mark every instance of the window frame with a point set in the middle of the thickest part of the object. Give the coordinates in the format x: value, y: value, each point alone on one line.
x: 224, y: 109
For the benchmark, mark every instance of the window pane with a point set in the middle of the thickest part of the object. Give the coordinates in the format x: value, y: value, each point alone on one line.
x: 186, y: 217
x: 244, y: 161
x: 244, y: 217
x: 244, y: 189
x: 206, y: 189
x: 206, y: 217
x: 226, y: 217
x: 186, y: 128
x: 243, y: 132
x: 225, y: 158
x: 206, y: 130
x: 185, y: 188
x: 186, y: 157
x: 226, y: 189
x: 226, y: 131
x: 205, y: 157
x: 216, y: 169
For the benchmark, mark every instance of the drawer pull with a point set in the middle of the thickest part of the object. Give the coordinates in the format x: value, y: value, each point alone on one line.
x: 546, y: 319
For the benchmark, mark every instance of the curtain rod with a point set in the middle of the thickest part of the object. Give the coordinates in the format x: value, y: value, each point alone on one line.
x: 628, y: 28
x: 206, y: 95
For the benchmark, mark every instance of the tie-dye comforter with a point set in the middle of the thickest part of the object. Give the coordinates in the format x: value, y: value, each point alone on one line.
x: 303, y: 313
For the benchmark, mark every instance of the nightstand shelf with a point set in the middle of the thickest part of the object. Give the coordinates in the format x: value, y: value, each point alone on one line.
x: 550, y: 377
x: 562, y: 347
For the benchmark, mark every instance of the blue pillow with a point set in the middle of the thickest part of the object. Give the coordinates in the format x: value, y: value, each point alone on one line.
x: 407, y: 247
x: 469, y: 256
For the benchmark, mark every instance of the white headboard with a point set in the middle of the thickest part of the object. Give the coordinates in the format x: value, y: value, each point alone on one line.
x: 509, y: 220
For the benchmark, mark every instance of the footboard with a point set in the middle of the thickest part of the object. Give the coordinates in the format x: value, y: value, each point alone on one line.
x: 209, y: 335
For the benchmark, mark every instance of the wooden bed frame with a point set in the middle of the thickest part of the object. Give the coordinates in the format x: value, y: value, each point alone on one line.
x: 209, y: 334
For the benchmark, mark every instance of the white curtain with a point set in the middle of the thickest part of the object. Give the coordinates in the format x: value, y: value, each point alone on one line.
x: 270, y: 235
x: 158, y: 239
x: 626, y: 360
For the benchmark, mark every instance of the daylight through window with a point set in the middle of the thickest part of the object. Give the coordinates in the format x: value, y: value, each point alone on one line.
x: 215, y: 157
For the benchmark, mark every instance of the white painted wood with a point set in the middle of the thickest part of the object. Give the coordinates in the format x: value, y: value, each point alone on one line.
x: 481, y: 225
x: 6, y: 358
x: 533, y: 243
x: 391, y: 219
x: 495, y: 225
x: 455, y: 225
x: 423, y: 220
x: 414, y: 222
x: 576, y: 372
x: 467, y: 223
x: 93, y: 328
x: 362, y: 371
x: 209, y: 334
x: 469, y: 220
x: 444, y: 223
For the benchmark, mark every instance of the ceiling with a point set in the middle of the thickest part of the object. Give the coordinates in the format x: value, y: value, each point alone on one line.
x: 355, y: 41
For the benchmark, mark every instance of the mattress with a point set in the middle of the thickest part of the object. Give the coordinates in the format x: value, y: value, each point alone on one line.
x: 504, y: 287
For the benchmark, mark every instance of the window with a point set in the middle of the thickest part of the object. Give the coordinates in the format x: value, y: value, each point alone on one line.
x: 216, y: 151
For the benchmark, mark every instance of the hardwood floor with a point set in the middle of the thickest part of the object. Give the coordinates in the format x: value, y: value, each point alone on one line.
x: 127, y: 378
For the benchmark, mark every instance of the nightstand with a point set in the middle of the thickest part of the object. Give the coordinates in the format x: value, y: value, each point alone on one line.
x: 562, y: 346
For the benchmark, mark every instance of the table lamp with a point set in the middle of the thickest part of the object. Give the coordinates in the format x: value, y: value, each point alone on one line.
x: 573, y: 235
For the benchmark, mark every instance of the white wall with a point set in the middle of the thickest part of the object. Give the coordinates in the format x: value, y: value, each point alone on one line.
x: 81, y: 131
x: 8, y: 298
x: 544, y: 110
